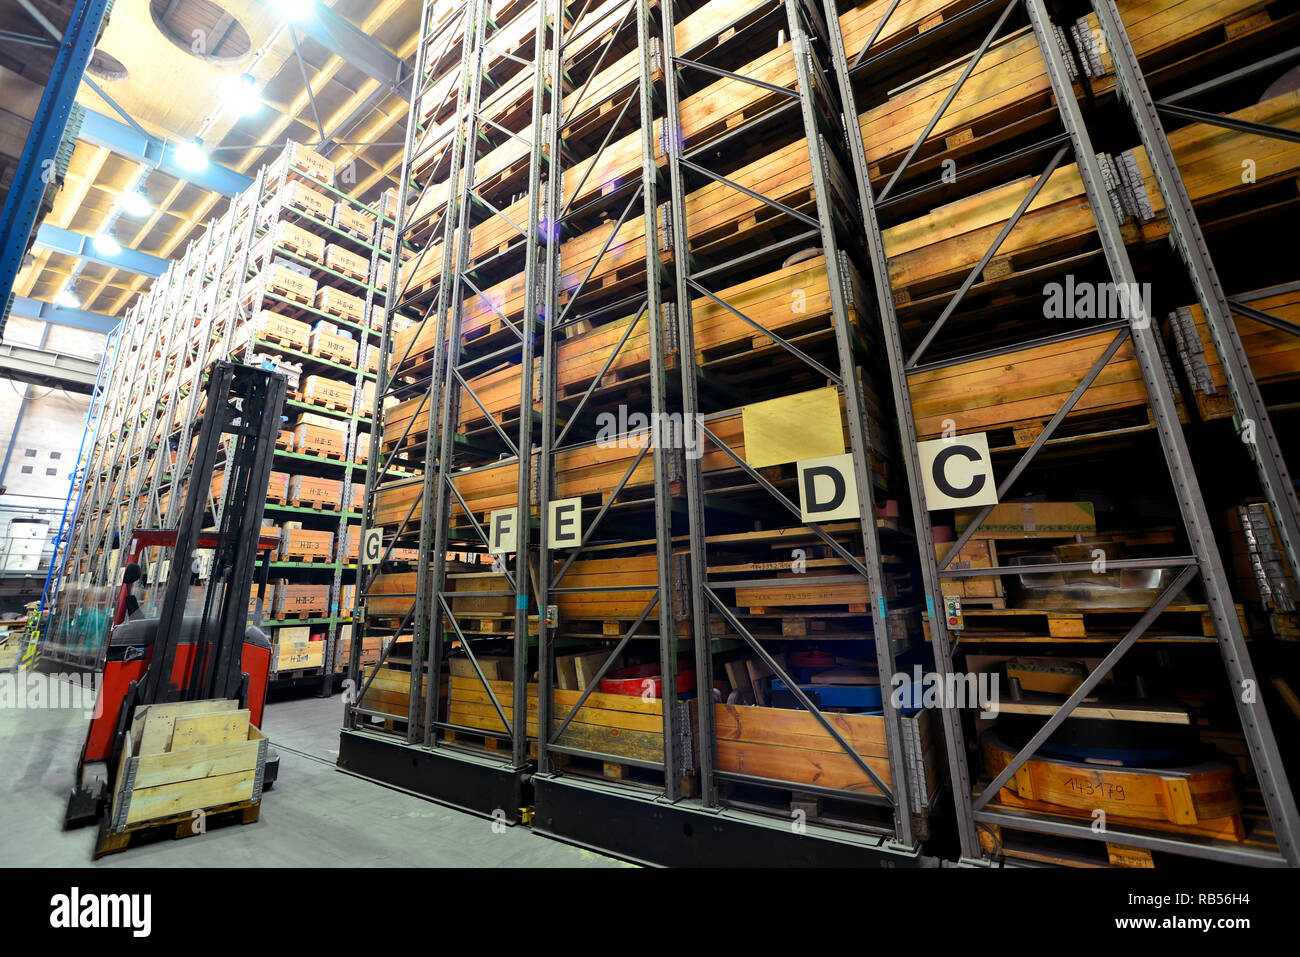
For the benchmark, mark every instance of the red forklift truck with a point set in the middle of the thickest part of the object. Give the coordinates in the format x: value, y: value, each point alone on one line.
x: 195, y: 647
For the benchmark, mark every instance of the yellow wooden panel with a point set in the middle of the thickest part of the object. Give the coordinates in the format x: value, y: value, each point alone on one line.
x: 792, y: 428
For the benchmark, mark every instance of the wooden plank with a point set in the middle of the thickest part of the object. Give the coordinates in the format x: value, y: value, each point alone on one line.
x: 194, y: 763
x: 167, y: 799
x: 197, y: 731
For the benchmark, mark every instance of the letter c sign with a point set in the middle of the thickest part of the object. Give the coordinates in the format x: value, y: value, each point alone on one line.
x: 958, y: 473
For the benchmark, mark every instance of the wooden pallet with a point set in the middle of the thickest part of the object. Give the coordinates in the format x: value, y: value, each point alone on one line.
x: 1273, y: 353
x: 177, y: 827
x: 1099, y: 624
x: 310, y: 558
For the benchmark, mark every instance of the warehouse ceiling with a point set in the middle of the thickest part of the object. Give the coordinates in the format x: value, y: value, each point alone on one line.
x: 167, y: 65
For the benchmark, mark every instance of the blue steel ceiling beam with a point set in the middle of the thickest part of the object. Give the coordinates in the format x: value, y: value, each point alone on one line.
x: 82, y: 247
x: 338, y: 35
x: 62, y: 315
x: 101, y: 130
x: 37, y: 163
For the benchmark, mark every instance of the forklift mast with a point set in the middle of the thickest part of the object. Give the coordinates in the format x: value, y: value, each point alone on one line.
x: 244, y: 403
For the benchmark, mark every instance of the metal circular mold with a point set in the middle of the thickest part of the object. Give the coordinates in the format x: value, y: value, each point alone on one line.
x: 202, y: 29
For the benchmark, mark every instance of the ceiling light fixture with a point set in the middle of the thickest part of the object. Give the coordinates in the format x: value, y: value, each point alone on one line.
x: 294, y: 10
x: 241, y: 95
x: 191, y: 156
x: 134, y: 203
x: 107, y: 245
x: 68, y: 298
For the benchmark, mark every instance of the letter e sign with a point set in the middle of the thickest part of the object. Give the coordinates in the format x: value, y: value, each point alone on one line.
x: 828, y: 489
x: 958, y: 473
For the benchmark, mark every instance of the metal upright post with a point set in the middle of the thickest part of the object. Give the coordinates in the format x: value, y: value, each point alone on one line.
x: 1135, y: 327
x: 36, y: 166
x: 1267, y: 761
x: 826, y: 229
x: 562, y: 206
x: 1259, y: 436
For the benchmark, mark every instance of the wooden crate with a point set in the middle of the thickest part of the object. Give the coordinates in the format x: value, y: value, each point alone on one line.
x: 341, y: 304
x: 283, y: 281
x: 328, y: 343
x: 326, y: 392
x: 301, y: 601
x: 270, y: 326
x: 791, y: 745
x: 313, y: 491
x: 298, y: 544
x: 308, y: 162
x: 936, y: 251
x: 343, y: 260
x: 277, y: 488
x: 186, y: 756
x: 295, y: 649
x: 1202, y: 800
x: 301, y: 196
x: 977, y: 553
x: 1015, y: 393
x: 312, y: 438
x: 350, y: 220
x: 302, y: 242
x: 617, y: 725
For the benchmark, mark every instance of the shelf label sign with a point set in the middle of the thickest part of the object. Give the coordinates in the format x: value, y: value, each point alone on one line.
x: 372, y: 546
x: 828, y: 489
x: 503, y: 531
x: 958, y: 472
x: 564, y: 523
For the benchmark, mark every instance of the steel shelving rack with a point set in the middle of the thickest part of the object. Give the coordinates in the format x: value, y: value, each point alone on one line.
x: 144, y: 423
x: 394, y: 729
x: 1202, y: 558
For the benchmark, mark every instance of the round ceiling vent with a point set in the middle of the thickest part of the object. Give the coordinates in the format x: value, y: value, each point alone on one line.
x: 202, y: 29
x: 105, y: 67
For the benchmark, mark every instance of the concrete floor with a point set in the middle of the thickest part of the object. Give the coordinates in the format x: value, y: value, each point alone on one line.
x: 315, y: 816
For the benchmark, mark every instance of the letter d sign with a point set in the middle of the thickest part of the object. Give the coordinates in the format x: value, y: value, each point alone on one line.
x: 957, y: 473
x: 828, y: 489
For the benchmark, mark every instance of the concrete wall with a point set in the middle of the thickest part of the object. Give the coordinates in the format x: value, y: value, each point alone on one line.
x: 49, y: 424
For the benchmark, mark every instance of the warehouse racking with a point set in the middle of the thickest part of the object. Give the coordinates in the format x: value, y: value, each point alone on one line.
x: 1022, y: 810
x: 715, y: 130
x: 618, y: 605
x: 238, y: 292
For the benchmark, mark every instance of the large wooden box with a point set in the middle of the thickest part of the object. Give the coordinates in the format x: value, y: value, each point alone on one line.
x: 310, y: 490
x: 791, y: 745
x: 313, y: 201
x: 304, y: 544
x: 330, y: 393
x: 317, y: 438
x: 301, y: 601
x: 299, y: 240
x: 341, y: 304
x: 326, y: 342
x: 186, y: 756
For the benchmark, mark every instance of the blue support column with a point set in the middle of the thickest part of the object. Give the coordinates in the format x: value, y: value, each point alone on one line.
x: 36, y: 166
